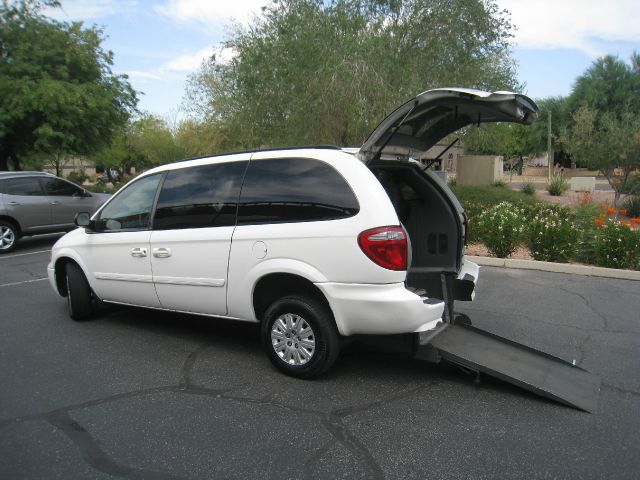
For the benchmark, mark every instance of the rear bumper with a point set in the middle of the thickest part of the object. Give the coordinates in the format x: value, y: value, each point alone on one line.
x: 380, y: 309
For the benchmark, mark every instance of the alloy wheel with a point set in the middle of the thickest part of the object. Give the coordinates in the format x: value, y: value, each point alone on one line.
x: 293, y: 339
x: 7, y: 237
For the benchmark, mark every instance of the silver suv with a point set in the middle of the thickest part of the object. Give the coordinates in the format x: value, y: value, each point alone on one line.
x: 33, y: 203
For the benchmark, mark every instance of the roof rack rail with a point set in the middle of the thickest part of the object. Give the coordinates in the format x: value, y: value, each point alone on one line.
x: 257, y: 150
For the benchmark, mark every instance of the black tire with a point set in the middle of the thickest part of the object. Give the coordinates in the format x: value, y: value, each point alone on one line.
x: 79, y: 296
x: 316, y: 316
x: 8, y: 236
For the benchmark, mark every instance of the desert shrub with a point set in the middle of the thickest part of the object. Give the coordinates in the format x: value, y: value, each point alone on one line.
x: 633, y: 184
x: 501, y: 228
x: 100, y: 188
x: 632, y: 206
x: 557, y: 185
x: 77, y: 176
x: 617, y: 245
x: 528, y: 188
x: 552, y: 236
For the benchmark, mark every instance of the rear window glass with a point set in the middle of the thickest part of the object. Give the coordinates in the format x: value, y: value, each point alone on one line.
x: 294, y: 190
x: 199, y: 197
x: 21, y: 186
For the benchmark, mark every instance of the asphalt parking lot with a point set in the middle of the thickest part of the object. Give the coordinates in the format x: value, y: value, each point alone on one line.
x: 143, y: 394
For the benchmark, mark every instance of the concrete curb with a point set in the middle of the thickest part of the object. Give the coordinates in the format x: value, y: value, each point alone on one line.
x: 556, y: 267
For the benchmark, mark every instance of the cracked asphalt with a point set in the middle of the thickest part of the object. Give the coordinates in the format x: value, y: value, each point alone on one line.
x: 141, y: 394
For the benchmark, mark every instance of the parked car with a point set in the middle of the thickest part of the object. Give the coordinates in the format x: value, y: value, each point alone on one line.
x: 33, y: 203
x: 316, y: 244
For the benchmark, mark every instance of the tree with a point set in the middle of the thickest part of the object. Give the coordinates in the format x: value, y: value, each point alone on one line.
x: 607, y: 143
x: 608, y: 85
x: 605, y: 130
x: 560, y: 121
x: 153, y: 140
x: 58, y: 95
x: 313, y: 71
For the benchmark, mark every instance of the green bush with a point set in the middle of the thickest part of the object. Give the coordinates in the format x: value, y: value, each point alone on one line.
x: 452, y: 181
x: 584, y: 219
x: 499, y: 183
x: 528, y: 188
x: 557, y: 185
x: 100, y: 188
x: 552, y: 236
x: 617, y: 246
x: 632, y: 205
x: 489, y: 196
x: 501, y: 228
x: 77, y: 176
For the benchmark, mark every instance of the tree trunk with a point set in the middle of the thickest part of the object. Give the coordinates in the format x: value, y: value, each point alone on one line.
x: 16, y: 162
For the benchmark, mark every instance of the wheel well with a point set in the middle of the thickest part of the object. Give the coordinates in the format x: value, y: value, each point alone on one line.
x: 61, y: 274
x: 277, y: 285
x: 13, y: 222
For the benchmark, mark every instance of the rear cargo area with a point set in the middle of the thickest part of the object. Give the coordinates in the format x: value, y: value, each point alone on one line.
x: 430, y: 218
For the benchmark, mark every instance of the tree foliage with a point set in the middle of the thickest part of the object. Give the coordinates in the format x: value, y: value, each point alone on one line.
x: 605, y: 127
x: 58, y: 94
x: 314, y: 71
x: 609, y: 85
x: 560, y: 121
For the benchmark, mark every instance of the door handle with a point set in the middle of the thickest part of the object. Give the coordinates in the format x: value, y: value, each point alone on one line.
x: 161, y: 252
x: 139, y: 252
x: 12, y: 203
x: 55, y: 202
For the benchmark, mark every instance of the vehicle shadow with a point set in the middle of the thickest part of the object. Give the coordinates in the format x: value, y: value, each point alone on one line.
x: 359, y: 362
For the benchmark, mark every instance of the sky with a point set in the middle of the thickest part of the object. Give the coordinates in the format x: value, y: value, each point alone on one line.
x: 158, y: 43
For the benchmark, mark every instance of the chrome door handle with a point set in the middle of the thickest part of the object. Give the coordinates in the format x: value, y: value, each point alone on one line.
x: 161, y: 252
x: 12, y: 203
x: 139, y: 252
x: 55, y: 202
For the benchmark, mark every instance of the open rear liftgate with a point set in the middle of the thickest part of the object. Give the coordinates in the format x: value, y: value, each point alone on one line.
x: 482, y: 352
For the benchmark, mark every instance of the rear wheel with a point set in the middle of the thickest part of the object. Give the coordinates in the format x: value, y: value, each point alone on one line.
x: 79, y: 297
x: 300, y: 336
x: 8, y: 236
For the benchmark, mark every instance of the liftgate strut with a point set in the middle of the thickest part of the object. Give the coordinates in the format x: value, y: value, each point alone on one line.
x: 458, y: 342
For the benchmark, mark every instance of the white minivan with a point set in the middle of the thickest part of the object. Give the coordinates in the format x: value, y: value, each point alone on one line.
x: 316, y: 244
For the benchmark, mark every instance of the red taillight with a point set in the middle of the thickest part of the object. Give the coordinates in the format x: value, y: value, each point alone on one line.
x: 386, y: 246
x: 466, y: 227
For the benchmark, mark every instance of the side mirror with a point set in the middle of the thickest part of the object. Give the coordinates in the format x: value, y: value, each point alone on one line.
x: 83, y: 219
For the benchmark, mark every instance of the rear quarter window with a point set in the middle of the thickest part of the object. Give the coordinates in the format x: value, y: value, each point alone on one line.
x: 25, y: 186
x: 294, y: 190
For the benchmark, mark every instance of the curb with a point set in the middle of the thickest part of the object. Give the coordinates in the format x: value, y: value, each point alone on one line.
x: 586, y: 270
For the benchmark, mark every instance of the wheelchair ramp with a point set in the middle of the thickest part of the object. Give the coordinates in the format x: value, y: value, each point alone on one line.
x: 512, y: 362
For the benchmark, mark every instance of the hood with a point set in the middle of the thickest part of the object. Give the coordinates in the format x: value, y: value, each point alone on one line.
x: 416, y: 126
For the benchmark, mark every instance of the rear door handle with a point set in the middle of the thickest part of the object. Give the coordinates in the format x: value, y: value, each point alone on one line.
x: 13, y: 203
x: 55, y: 202
x: 161, y: 252
x: 139, y: 252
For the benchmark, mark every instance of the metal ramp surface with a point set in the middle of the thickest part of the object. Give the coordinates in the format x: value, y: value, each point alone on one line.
x: 512, y: 362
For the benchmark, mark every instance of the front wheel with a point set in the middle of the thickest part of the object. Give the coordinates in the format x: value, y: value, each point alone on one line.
x: 300, y: 336
x: 79, y: 296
